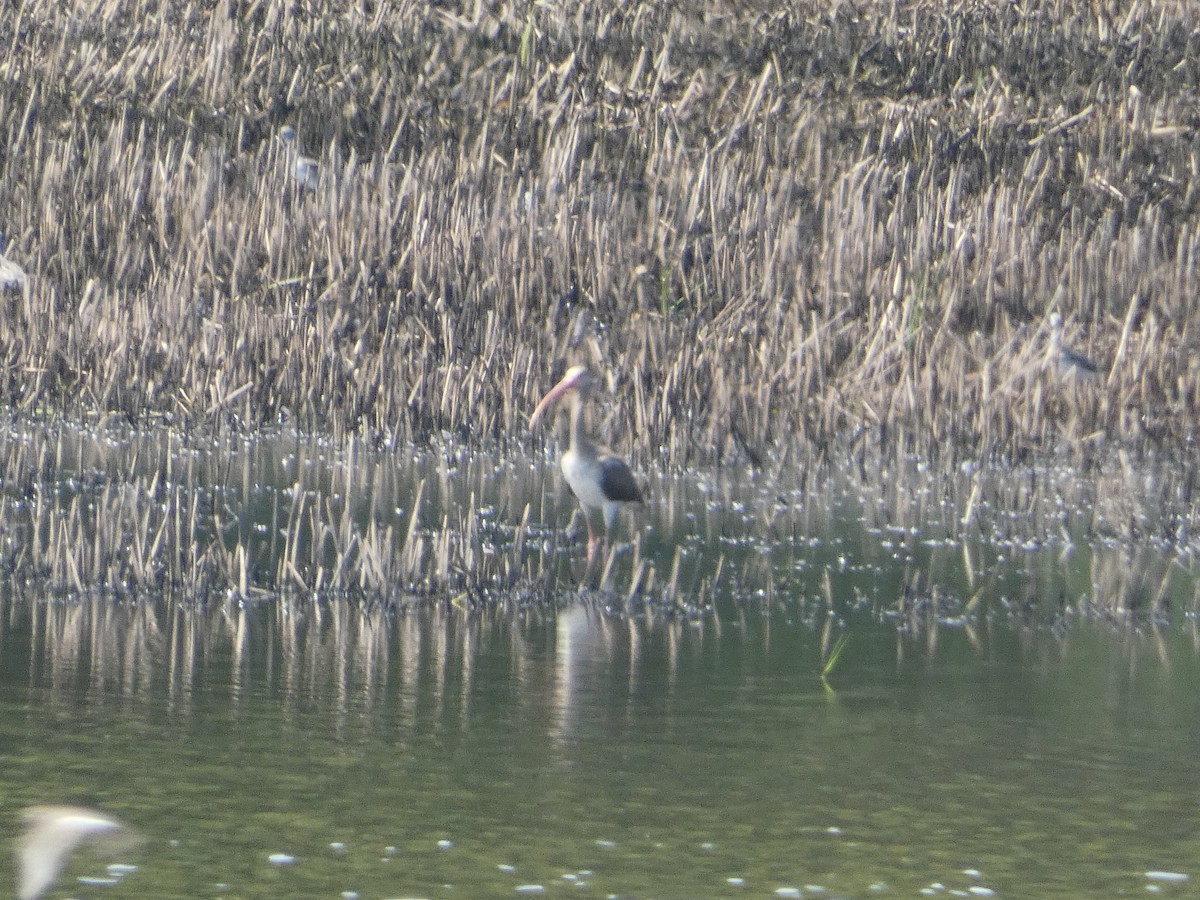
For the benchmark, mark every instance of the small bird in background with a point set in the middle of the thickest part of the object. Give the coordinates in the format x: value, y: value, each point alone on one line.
x: 12, y: 276
x: 598, y: 479
x: 1069, y: 363
x: 52, y: 833
x: 304, y: 169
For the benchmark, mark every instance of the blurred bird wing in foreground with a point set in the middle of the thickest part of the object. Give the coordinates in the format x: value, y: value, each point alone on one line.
x: 52, y: 833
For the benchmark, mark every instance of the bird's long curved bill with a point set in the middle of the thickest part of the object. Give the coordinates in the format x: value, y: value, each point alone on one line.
x: 553, y: 396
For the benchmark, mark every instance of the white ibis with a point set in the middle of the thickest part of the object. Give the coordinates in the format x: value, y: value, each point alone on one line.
x: 12, y: 276
x: 305, y: 169
x: 1070, y: 364
x: 50, y: 835
x: 598, y: 479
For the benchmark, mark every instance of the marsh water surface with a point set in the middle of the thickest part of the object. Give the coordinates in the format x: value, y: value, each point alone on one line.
x: 1013, y: 710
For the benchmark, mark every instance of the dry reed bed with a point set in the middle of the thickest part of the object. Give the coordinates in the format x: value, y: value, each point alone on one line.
x: 127, y: 516
x: 769, y: 228
x: 130, y: 516
x: 147, y: 519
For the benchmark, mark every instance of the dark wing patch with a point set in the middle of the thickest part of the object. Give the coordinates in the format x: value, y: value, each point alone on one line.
x: 1068, y: 359
x: 616, y: 481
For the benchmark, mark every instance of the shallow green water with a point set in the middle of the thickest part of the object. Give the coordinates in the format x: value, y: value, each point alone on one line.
x: 661, y: 758
x: 660, y: 751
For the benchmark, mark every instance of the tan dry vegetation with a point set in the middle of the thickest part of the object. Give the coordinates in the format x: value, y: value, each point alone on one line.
x: 86, y: 517
x: 128, y: 516
x: 768, y: 227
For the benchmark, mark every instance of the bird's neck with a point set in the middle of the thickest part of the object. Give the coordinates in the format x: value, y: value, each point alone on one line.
x: 579, y: 438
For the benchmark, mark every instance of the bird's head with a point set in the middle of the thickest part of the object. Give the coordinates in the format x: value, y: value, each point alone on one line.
x: 577, y: 379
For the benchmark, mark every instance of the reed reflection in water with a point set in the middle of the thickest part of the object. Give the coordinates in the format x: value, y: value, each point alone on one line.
x: 343, y: 656
x: 295, y: 716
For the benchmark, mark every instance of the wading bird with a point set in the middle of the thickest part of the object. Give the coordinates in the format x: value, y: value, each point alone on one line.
x: 597, y: 478
x: 51, y: 834
x: 304, y: 169
x: 1069, y: 363
x: 12, y: 276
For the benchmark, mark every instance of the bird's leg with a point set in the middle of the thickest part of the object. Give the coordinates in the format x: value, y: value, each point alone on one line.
x: 591, y: 551
x: 610, y: 521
